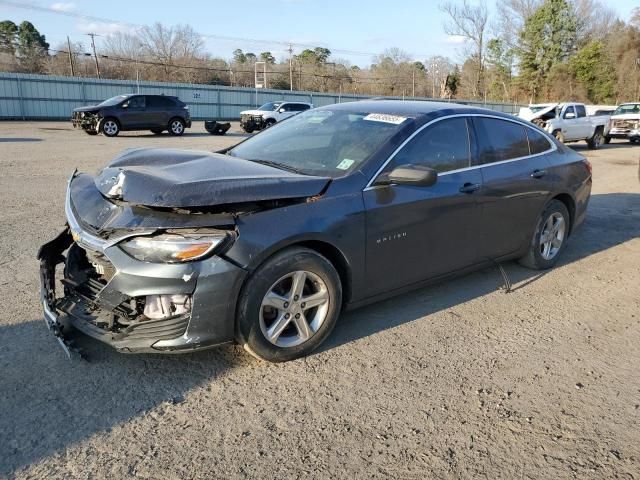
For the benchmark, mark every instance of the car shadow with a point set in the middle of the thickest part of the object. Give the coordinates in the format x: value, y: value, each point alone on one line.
x: 612, y: 219
x: 67, y: 401
x: 19, y: 139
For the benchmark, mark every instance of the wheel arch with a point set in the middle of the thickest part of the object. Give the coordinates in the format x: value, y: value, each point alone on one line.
x: 570, y: 203
x: 325, y: 248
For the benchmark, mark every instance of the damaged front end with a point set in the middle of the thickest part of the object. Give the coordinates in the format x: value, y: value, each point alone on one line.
x: 89, y: 121
x: 134, y: 286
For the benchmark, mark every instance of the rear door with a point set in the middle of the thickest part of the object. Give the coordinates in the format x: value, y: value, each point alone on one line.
x: 415, y: 233
x: 515, y: 183
x: 158, y: 110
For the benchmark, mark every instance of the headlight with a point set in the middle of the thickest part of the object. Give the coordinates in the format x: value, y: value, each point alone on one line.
x: 174, y: 248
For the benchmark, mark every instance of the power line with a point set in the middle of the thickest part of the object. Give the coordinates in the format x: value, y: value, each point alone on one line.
x: 367, y: 80
x: 94, y: 18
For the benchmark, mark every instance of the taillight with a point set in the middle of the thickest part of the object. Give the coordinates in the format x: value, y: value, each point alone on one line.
x: 587, y: 164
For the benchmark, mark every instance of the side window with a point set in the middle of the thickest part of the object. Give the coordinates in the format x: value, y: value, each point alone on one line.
x: 159, y: 102
x: 287, y: 107
x: 443, y: 146
x: 538, y: 143
x: 568, y: 110
x: 500, y: 140
x: 137, y: 102
x: 303, y: 107
x: 581, y: 111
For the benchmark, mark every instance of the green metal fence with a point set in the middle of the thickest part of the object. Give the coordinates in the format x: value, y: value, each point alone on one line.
x: 31, y: 97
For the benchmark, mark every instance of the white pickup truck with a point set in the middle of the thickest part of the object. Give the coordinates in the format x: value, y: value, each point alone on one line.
x: 625, y: 123
x: 568, y: 122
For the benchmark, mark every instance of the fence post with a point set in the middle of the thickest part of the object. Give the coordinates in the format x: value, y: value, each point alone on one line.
x: 219, y: 106
x: 21, y: 98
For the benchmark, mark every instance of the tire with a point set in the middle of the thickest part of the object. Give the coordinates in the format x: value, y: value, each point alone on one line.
x: 633, y: 140
x: 258, y: 319
x: 269, y: 123
x: 559, y: 135
x: 90, y: 132
x: 176, y: 127
x: 248, y: 129
x: 607, y: 139
x: 157, y: 131
x: 596, y: 141
x: 110, y: 127
x: 544, y: 255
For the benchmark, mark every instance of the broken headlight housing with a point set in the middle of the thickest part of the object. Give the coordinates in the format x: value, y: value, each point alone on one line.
x: 175, y: 248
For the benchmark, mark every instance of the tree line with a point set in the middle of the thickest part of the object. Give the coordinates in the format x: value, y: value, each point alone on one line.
x: 537, y: 50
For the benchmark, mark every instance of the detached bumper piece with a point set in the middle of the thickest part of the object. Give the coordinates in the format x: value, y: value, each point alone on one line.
x: 216, y: 128
x: 90, y: 308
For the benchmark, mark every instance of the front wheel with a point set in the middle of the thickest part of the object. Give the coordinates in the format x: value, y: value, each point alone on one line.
x: 270, y: 122
x: 176, y: 127
x: 559, y: 136
x: 110, y: 127
x: 90, y: 131
x: 549, y: 237
x: 607, y: 139
x: 248, y: 129
x: 289, y: 305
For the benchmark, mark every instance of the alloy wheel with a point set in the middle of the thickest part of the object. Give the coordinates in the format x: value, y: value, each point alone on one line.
x: 110, y: 127
x: 177, y: 127
x: 552, y: 236
x: 294, y: 308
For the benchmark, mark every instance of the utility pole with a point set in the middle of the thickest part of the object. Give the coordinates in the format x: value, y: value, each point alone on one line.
x: 73, y: 73
x: 290, y: 67
x: 413, y: 82
x: 95, y: 56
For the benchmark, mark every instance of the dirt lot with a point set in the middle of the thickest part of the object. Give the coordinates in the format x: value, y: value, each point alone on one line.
x: 455, y: 381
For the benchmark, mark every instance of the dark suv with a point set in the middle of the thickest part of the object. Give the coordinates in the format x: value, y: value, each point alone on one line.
x: 134, y: 112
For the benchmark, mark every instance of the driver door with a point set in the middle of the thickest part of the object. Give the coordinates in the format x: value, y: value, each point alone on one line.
x: 569, y: 125
x: 415, y: 233
x: 134, y: 113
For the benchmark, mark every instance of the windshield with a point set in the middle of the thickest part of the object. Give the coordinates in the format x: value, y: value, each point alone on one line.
x: 629, y: 108
x: 322, y: 142
x: 270, y: 106
x: 112, y: 101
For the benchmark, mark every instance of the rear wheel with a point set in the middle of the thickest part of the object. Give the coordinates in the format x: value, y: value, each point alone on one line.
x: 176, y: 127
x: 549, y: 237
x: 289, y: 305
x: 110, y: 127
x: 595, y: 141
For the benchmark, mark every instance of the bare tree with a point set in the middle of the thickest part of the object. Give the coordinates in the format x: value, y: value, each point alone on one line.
x: 513, y: 14
x: 469, y: 21
x: 171, y: 45
x: 595, y: 20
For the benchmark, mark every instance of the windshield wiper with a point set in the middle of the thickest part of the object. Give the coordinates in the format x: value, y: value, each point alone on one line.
x: 281, y: 166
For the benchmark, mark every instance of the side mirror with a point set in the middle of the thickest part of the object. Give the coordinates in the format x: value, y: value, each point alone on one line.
x: 282, y: 110
x: 125, y: 105
x: 569, y: 115
x: 416, y: 175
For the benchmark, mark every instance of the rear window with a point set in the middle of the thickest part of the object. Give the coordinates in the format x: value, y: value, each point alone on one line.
x: 500, y: 140
x: 165, y: 102
x: 538, y: 143
x: 582, y: 112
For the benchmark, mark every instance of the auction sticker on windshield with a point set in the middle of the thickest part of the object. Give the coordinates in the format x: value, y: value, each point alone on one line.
x: 381, y: 117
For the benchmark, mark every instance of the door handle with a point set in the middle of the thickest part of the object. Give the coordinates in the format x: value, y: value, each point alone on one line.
x: 538, y: 173
x: 469, y: 187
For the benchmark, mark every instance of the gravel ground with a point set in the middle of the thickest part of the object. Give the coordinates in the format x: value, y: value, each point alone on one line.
x: 455, y: 381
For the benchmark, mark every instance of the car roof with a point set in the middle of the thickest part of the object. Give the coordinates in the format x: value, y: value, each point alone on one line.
x: 412, y: 108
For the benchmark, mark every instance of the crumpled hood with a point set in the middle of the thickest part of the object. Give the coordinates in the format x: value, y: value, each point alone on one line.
x: 158, y: 177
x: 88, y: 108
x: 527, y: 114
x: 626, y: 116
x: 254, y: 112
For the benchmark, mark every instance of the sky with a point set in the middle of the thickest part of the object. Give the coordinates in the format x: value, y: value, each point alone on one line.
x: 354, y: 30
